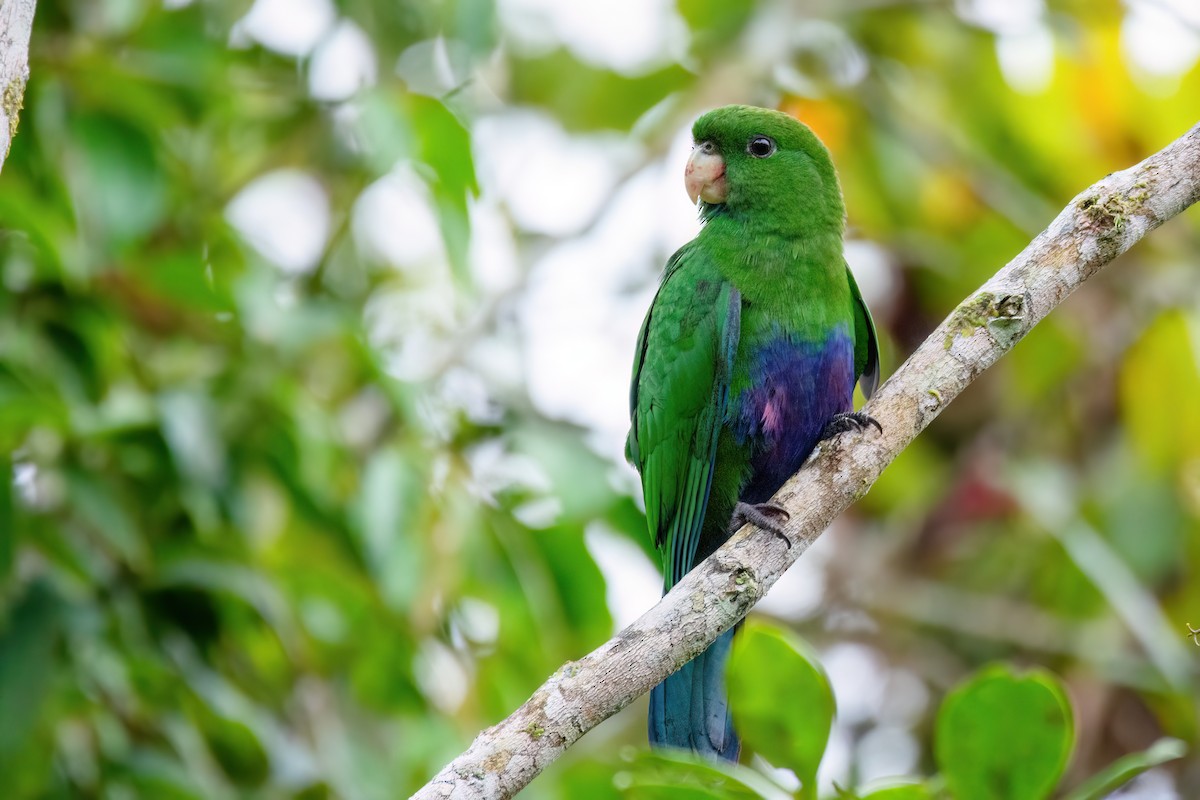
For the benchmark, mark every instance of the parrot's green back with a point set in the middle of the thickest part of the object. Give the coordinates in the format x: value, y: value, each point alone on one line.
x: 752, y: 344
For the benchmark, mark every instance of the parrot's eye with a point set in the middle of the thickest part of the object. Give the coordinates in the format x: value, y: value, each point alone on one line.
x: 761, y: 147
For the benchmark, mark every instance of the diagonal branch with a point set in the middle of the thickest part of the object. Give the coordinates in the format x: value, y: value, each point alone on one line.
x: 16, y: 25
x: 1102, y: 222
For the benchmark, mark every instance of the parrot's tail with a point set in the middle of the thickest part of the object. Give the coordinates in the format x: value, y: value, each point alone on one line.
x: 689, y: 710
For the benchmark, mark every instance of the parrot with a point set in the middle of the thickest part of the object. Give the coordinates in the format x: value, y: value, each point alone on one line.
x: 746, y: 359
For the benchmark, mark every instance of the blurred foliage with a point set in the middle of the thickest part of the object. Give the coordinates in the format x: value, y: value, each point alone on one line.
x: 782, y: 702
x: 999, y: 736
x: 281, y: 518
x: 1005, y: 736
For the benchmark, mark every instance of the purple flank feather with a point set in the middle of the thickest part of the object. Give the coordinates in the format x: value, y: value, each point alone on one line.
x: 795, y: 387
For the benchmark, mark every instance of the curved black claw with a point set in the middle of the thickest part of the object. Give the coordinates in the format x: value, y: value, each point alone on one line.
x: 764, y: 516
x: 850, y: 421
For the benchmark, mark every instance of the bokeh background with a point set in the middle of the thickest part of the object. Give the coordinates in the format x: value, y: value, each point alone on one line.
x: 315, y: 333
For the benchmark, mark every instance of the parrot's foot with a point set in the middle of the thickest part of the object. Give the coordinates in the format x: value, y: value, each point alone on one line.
x: 764, y: 516
x: 852, y: 421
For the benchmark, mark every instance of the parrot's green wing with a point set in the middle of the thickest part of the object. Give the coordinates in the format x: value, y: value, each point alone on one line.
x: 866, y: 342
x: 678, y: 400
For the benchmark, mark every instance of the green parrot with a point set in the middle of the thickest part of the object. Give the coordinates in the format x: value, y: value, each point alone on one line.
x: 747, y: 358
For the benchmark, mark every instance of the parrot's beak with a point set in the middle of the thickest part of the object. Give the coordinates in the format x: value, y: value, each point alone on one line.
x: 705, y: 175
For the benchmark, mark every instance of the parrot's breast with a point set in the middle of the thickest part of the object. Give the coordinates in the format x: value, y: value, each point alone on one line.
x: 794, y: 388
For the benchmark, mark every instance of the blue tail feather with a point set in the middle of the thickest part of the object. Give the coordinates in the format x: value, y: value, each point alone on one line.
x: 689, y: 710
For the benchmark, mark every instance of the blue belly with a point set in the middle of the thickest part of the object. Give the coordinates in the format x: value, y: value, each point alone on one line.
x: 796, y: 387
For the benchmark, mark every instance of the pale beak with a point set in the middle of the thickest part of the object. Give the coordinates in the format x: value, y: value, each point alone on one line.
x: 705, y: 175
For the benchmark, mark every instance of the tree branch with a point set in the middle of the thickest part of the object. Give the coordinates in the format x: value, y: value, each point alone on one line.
x: 16, y: 25
x: 1098, y: 225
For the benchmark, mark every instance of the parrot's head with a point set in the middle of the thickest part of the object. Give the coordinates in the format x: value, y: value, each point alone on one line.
x: 755, y: 162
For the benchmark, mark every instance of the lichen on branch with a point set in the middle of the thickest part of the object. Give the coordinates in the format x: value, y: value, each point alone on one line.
x: 16, y: 26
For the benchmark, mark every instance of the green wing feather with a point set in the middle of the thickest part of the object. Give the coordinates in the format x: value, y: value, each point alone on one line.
x: 866, y: 342
x: 678, y: 401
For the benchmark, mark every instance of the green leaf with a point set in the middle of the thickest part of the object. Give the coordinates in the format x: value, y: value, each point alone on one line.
x: 676, y: 773
x: 27, y: 665
x: 1005, y: 736
x: 781, y: 699
x: 121, y: 190
x: 1123, y: 770
x: 235, y: 747
x: 890, y: 789
x: 899, y: 791
x: 397, y: 125
x: 445, y: 145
